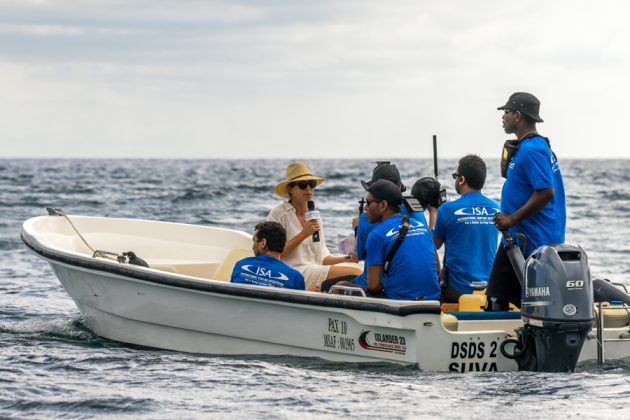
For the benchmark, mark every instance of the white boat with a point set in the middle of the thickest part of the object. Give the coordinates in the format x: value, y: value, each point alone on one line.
x: 184, y: 301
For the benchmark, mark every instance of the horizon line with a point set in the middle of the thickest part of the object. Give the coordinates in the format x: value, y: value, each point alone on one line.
x: 274, y: 158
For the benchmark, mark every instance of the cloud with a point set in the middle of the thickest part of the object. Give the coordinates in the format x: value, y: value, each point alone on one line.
x: 227, y: 78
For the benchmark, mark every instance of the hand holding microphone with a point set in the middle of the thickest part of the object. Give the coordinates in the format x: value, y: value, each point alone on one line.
x: 310, y: 215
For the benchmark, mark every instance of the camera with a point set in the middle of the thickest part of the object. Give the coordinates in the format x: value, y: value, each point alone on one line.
x: 429, y: 192
x: 412, y: 204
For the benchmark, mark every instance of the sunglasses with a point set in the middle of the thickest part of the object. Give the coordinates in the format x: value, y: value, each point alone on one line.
x: 304, y: 184
x: 507, y: 111
x: 368, y: 202
x: 456, y: 175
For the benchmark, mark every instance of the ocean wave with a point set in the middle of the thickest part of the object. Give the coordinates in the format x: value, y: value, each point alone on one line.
x: 333, y: 191
x: 52, y: 365
x: 61, y: 329
x: 90, y: 406
x: 9, y: 244
x: 198, y: 195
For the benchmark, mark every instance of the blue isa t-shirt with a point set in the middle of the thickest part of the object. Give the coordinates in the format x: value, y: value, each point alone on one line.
x: 264, y: 270
x: 467, y: 229
x: 534, y: 168
x: 364, y: 228
x: 412, y: 272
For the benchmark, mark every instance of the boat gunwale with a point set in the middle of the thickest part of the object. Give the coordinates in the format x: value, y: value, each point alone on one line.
x: 213, y: 286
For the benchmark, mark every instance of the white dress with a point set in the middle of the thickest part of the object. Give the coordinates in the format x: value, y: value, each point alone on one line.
x: 308, y: 256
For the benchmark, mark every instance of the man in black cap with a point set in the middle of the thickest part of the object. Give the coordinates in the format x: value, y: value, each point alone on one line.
x: 532, y: 199
x: 388, y: 171
x: 401, y: 260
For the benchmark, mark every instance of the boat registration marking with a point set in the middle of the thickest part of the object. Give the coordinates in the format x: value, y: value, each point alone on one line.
x: 471, y: 356
x: 336, y: 336
x: 339, y: 337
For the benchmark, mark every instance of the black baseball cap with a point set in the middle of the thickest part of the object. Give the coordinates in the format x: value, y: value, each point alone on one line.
x: 524, y: 102
x: 382, y: 189
x: 385, y: 170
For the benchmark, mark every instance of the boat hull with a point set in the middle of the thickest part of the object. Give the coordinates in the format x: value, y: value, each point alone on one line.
x: 167, y: 317
x: 173, y: 311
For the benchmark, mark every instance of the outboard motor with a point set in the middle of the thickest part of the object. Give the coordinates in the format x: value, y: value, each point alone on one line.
x: 556, y: 307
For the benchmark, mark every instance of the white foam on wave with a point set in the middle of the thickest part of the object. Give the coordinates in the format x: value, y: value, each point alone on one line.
x: 58, y: 327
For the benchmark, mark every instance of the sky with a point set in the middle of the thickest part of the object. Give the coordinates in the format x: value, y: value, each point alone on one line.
x: 307, y: 79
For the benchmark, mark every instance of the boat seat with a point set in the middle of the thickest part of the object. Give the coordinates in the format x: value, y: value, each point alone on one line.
x: 615, y: 315
x: 203, y: 269
x: 224, y: 273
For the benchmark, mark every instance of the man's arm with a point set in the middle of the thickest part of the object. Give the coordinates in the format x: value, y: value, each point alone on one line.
x: 374, y: 278
x: 336, y: 259
x: 437, y: 263
x: 537, y: 201
x: 432, y: 217
x: 361, y: 238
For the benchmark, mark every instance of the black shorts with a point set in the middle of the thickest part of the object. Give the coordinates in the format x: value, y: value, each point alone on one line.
x: 450, y: 295
x: 503, y: 283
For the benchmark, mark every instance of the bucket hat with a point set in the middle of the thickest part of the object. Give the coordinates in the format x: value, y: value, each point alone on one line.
x: 296, y: 172
x: 524, y: 102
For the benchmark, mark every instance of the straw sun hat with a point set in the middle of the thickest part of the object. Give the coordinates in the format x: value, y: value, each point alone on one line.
x: 296, y: 172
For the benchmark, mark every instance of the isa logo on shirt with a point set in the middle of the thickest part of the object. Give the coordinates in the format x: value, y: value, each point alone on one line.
x: 414, y: 226
x: 475, y: 215
x: 264, y: 272
x: 476, y: 211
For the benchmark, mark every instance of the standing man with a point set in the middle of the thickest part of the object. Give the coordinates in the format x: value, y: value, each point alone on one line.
x: 532, y: 199
x: 266, y: 268
x: 409, y: 272
x: 466, y: 227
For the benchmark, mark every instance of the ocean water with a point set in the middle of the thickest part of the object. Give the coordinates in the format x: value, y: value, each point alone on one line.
x: 52, y: 366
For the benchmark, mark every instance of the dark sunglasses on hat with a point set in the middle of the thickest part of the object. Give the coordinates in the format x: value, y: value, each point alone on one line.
x: 304, y: 184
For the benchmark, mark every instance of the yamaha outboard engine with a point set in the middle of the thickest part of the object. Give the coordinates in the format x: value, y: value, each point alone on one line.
x: 556, y: 307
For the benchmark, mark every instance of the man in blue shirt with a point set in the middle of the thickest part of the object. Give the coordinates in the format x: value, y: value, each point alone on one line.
x: 266, y: 268
x: 532, y: 199
x: 411, y: 273
x: 383, y: 170
x: 467, y: 229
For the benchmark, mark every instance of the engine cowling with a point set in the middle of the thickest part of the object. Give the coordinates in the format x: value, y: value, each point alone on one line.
x: 557, y: 309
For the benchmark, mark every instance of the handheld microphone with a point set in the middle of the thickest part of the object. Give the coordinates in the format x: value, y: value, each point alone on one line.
x: 312, y: 214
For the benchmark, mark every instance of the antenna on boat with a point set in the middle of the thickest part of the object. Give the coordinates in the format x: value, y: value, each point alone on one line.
x: 442, y: 190
x: 435, y: 163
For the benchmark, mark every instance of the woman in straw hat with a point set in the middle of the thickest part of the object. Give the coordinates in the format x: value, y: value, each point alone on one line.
x: 311, y: 258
